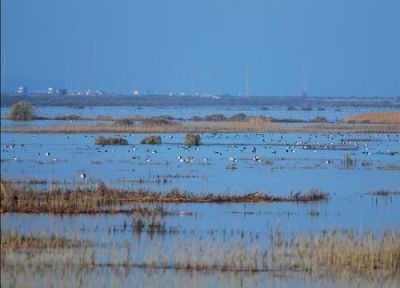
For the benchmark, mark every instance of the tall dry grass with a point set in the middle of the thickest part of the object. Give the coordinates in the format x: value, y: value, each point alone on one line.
x: 252, y: 125
x: 336, y: 253
x: 104, y: 199
x: 374, y: 117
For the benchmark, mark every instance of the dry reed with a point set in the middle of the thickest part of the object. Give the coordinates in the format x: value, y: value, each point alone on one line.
x: 375, y: 117
x: 103, y: 199
x: 252, y: 125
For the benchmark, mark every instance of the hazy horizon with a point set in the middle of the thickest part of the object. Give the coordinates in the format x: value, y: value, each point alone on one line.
x: 280, y: 48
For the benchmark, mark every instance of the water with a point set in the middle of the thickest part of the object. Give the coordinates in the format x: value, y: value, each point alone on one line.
x: 204, y: 169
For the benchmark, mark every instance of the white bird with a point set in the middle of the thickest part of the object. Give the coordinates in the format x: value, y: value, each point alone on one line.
x: 47, y: 154
x: 83, y: 175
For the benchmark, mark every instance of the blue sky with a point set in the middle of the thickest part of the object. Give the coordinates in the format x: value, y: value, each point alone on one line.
x: 329, y: 48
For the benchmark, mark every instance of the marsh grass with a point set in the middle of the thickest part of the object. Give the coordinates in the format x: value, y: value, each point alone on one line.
x: 348, y: 161
x: 337, y: 253
x: 192, y: 139
x: 252, y: 124
x: 374, y: 117
x: 19, y: 241
x: 151, y: 140
x: 101, y: 198
x: 57, y: 199
x: 123, y: 122
x: 385, y: 192
x: 101, y: 140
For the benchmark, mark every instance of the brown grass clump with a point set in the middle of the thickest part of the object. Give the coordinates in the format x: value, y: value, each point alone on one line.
x: 111, y: 141
x: 151, y: 140
x: 192, y: 139
x: 374, y: 117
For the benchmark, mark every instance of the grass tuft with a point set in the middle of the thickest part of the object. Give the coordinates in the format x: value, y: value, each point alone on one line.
x: 151, y: 140
x: 101, y: 140
x: 192, y: 139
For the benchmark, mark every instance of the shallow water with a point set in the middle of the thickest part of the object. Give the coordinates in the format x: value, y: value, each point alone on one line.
x: 307, y: 160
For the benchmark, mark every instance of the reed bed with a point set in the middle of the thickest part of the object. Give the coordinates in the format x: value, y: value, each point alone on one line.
x: 252, y: 125
x: 374, y: 117
x: 336, y: 253
x: 19, y: 241
x: 57, y: 199
x: 101, y: 198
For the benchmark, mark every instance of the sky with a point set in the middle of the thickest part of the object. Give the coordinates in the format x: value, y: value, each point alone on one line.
x: 236, y: 47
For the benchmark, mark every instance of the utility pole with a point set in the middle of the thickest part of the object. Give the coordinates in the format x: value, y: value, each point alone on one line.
x: 247, y: 81
x: 3, y: 73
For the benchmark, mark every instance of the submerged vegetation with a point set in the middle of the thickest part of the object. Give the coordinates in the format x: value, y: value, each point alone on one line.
x: 334, y: 254
x: 101, y: 140
x: 348, y: 161
x: 22, y: 110
x: 385, y: 192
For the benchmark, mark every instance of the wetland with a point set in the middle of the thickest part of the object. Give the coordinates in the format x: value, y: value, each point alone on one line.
x: 215, y: 195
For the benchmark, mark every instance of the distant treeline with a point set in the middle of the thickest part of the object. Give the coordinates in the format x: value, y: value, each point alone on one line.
x: 186, y: 101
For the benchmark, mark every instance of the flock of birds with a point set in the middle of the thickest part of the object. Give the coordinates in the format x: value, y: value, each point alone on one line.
x: 273, y: 145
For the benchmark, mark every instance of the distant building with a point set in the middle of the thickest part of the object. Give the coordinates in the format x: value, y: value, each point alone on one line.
x: 22, y: 90
x: 99, y: 93
x: 51, y: 91
x: 61, y: 92
x: 94, y: 93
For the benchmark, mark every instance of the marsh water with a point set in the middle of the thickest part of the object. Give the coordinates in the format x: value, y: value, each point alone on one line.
x: 226, y: 163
